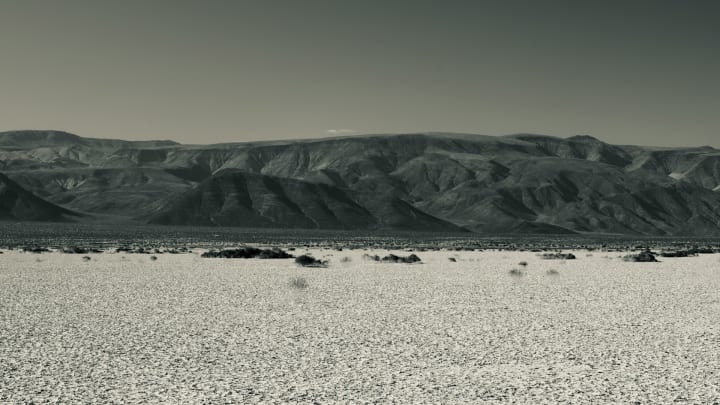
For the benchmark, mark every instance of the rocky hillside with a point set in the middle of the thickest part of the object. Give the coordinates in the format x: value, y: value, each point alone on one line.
x: 436, y: 182
x: 17, y: 204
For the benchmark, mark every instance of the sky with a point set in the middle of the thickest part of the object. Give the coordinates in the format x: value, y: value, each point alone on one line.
x: 627, y: 72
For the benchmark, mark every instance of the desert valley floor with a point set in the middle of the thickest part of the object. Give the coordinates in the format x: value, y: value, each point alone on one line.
x: 124, y: 328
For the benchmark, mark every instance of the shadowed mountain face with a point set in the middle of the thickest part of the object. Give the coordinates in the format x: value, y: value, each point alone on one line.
x: 430, y: 182
x: 236, y: 198
x: 17, y: 203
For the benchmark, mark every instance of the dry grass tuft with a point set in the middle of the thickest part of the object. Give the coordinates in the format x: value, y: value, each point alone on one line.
x: 298, y: 283
x: 516, y: 273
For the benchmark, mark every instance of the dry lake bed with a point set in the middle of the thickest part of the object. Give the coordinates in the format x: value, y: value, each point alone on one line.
x: 122, y: 328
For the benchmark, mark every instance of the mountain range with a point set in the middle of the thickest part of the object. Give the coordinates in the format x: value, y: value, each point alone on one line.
x: 445, y: 182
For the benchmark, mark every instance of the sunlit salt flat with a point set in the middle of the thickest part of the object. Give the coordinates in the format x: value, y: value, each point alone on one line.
x: 125, y: 328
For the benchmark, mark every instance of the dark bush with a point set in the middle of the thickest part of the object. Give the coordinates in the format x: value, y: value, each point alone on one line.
x: 703, y: 251
x: 644, y: 256
x: 128, y: 249
x: 678, y: 253
x: 80, y: 250
x: 391, y: 258
x: 248, y: 253
x: 35, y: 249
x: 309, y: 261
x: 687, y: 253
x: 558, y: 256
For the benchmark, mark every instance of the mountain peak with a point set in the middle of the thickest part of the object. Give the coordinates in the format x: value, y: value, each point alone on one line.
x: 31, y: 138
x: 24, y: 137
x: 583, y: 138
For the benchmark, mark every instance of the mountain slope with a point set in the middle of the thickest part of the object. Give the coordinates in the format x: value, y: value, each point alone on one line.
x: 235, y: 198
x: 17, y: 203
x: 521, y: 183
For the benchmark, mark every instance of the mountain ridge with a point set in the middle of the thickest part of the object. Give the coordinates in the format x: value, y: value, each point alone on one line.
x: 525, y: 183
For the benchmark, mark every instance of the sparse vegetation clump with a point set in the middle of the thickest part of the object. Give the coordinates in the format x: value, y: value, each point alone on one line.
x: 153, y: 258
x: 134, y: 249
x: 523, y: 263
x: 645, y: 256
x: 299, y: 283
x: 552, y: 272
x: 128, y: 249
x: 391, y: 258
x: 309, y: 261
x: 516, y: 273
x: 248, y: 253
x: 80, y: 250
x: 86, y: 258
x: 685, y: 253
x: 35, y: 249
x: 558, y: 256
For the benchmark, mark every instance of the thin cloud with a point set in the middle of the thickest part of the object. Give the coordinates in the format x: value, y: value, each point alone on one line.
x: 341, y: 131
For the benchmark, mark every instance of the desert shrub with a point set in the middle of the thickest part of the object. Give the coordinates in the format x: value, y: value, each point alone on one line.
x: 516, y: 273
x: 552, y: 272
x: 80, y: 250
x: 558, y: 256
x: 86, y: 258
x: 391, y: 258
x: 153, y: 258
x: 679, y: 253
x: 309, y: 261
x: 248, y: 253
x: 299, y: 283
x: 35, y: 249
x: 644, y: 256
x: 523, y: 263
x: 128, y: 249
x: 148, y: 250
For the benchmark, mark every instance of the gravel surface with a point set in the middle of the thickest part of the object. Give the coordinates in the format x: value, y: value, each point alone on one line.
x: 183, y: 329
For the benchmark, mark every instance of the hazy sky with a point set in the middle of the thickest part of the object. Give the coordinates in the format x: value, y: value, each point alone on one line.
x: 643, y: 72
